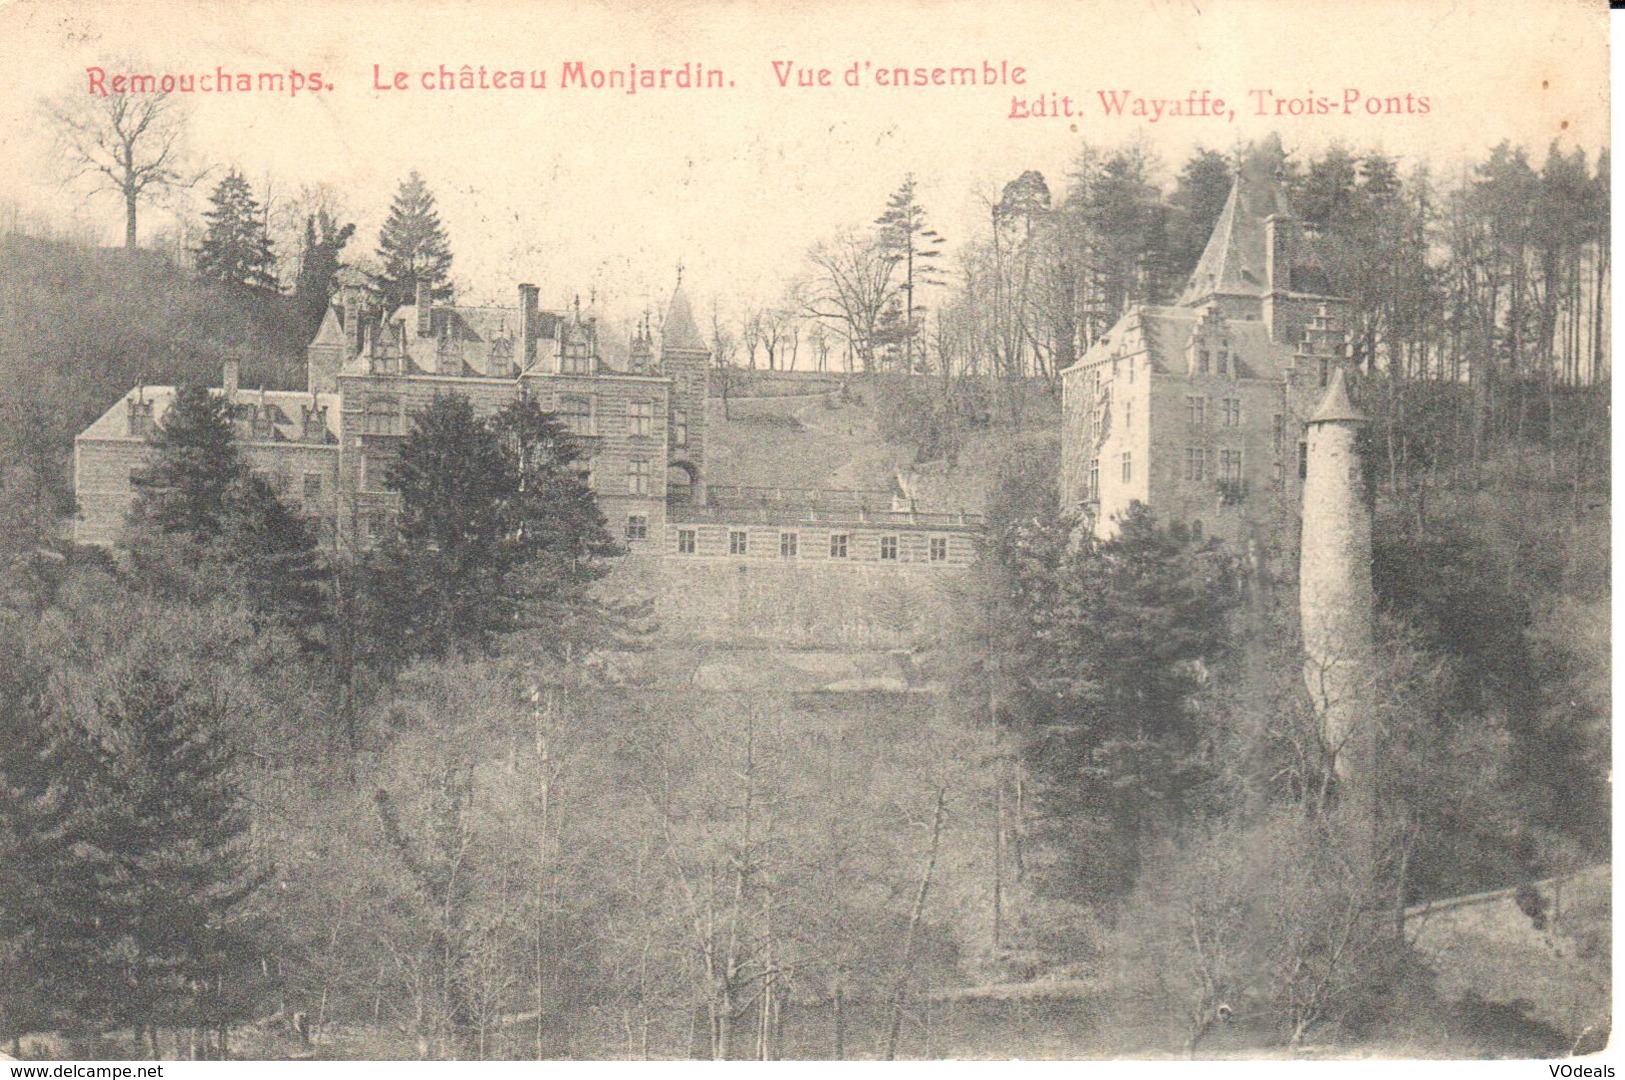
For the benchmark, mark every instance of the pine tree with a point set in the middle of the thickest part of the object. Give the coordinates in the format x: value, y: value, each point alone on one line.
x: 195, y: 467
x: 143, y: 873
x: 200, y: 493
x: 236, y: 251
x: 318, y: 270
x: 497, y: 530
x: 413, y: 246
x: 904, y: 235
x: 32, y: 805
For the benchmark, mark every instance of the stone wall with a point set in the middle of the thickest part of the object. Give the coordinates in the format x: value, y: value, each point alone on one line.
x: 806, y: 604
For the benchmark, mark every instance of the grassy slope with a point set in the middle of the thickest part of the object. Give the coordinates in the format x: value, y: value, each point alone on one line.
x: 817, y: 440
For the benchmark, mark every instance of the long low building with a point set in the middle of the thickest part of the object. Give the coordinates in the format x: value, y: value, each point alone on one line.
x: 327, y: 450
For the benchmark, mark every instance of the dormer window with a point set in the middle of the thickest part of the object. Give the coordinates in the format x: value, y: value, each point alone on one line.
x: 141, y: 425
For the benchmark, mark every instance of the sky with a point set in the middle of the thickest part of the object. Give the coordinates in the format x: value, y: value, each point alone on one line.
x: 604, y: 193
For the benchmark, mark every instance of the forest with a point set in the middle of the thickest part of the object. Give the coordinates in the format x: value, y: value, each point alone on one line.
x: 457, y: 796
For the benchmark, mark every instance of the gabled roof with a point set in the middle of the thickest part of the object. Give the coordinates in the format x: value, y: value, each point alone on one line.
x: 680, y: 331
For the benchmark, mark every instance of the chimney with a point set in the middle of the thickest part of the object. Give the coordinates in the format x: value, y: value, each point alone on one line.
x: 352, y: 322
x: 229, y: 377
x: 525, y: 346
x: 1277, y: 253
x: 425, y: 309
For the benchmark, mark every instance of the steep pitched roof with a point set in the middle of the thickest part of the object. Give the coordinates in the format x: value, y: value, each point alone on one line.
x: 1232, y: 264
x: 680, y: 331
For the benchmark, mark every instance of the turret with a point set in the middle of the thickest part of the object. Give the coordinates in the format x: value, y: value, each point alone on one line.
x: 1335, y: 594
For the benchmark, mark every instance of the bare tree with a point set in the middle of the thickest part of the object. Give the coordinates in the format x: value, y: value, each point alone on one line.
x: 851, y: 287
x: 129, y: 144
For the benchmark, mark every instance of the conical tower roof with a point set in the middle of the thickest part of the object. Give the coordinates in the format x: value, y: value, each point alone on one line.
x: 1335, y: 406
x: 680, y: 331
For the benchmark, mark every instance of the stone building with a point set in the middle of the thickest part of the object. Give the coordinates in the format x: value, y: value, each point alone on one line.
x: 327, y: 450
x: 1198, y: 409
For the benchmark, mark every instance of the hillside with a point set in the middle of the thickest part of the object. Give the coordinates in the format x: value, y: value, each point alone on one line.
x: 83, y: 325
x: 803, y: 432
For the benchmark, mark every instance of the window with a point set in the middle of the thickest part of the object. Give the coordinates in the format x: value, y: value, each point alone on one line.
x: 315, y: 423
x: 1303, y: 461
x: 679, y: 429
x: 1094, y: 478
x: 140, y: 419
x: 888, y: 547
x: 939, y: 549
x: 1204, y: 361
x: 1325, y: 371
x: 1279, y: 474
x: 381, y: 418
x: 1277, y: 433
x: 738, y: 542
x: 1196, y: 529
x: 1131, y: 370
x: 640, y: 418
x: 685, y: 542
x: 637, y: 527
x: 1230, y: 465
x: 637, y: 476
x: 1232, y: 412
x: 313, y: 485
x: 1128, y: 416
x: 1128, y: 466
x: 788, y: 542
x: 1195, y: 463
x: 837, y: 545
x: 575, y: 410
x: 1224, y: 359
x: 1196, y: 407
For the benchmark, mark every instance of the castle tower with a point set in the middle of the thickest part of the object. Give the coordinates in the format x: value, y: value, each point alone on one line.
x: 685, y: 358
x: 1335, y: 595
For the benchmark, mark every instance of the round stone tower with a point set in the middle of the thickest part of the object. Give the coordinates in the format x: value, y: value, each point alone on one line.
x: 1335, y: 595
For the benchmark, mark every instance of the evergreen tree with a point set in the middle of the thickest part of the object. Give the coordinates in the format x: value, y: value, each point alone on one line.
x: 1194, y: 207
x: 144, y: 873
x: 1116, y: 642
x: 497, y: 530
x: 199, y: 492
x: 413, y: 246
x: 185, y: 489
x: 32, y: 806
x: 318, y: 270
x: 904, y: 237
x: 236, y: 251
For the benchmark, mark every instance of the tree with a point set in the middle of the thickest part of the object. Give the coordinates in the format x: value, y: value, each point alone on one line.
x: 144, y: 877
x: 1118, y: 641
x: 236, y: 252
x: 497, y: 527
x: 129, y: 144
x: 413, y: 247
x: 851, y: 288
x: 184, y: 490
x: 319, y: 265
x: 905, y: 237
x: 1198, y: 199
x: 199, y: 493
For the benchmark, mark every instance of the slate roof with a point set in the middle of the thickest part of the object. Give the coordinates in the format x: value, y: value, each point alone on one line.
x: 286, y: 408
x: 680, y: 330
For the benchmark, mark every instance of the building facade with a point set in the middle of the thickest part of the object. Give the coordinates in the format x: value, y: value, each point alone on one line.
x: 644, y: 432
x: 1199, y: 409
